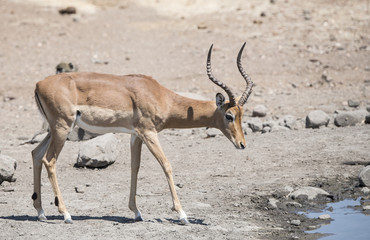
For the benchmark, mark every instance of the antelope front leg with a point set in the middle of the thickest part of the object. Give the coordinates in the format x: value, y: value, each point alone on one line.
x: 152, y: 142
x: 136, y: 144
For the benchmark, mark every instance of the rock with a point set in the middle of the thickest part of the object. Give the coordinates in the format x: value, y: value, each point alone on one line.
x: 98, y: 152
x: 367, y: 118
x: 344, y: 119
x: 270, y: 124
x: 80, y: 189
x: 310, y: 192
x: 295, y: 222
x: 259, y: 111
x: 79, y: 134
x: 266, y: 129
x: 8, y: 166
x: 290, y: 122
x: 68, y: 10
x: 367, y: 207
x: 212, y: 132
x: 316, y: 119
x: 247, y: 130
x: 255, y: 124
x: 273, y: 203
x: 353, y: 104
x: 364, y: 177
x: 325, y: 216
x: 365, y: 190
x: 279, y: 128
x: 293, y: 204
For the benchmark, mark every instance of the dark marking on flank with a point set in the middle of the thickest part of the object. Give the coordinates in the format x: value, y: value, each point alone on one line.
x: 56, y: 201
x: 34, y: 196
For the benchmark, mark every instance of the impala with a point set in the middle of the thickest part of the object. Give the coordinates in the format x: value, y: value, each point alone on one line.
x: 133, y: 104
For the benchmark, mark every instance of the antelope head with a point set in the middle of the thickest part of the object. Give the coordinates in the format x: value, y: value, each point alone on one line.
x: 231, y: 112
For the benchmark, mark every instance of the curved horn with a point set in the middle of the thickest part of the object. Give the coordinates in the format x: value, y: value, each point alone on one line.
x: 248, y: 90
x: 218, y: 83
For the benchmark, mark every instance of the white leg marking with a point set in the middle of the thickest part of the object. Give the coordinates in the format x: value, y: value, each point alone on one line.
x: 183, y: 218
x: 67, y: 218
x: 41, y: 215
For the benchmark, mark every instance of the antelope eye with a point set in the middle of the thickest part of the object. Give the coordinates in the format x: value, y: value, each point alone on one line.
x: 229, y: 117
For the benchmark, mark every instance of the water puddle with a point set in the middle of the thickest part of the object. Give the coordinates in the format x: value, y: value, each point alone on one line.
x: 348, y: 220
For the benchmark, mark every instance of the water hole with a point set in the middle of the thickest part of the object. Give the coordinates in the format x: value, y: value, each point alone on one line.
x: 348, y: 220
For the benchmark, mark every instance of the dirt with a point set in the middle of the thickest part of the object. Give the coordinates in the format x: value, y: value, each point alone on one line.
x: 302, y: 56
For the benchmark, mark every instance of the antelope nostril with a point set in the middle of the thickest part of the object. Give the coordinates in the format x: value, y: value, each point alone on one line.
x: 242, y: 146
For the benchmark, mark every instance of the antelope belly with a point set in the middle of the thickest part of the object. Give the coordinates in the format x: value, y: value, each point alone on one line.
x: 100, y: 121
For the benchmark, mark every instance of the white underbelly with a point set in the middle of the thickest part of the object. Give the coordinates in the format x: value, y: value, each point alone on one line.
x: 101, y: 129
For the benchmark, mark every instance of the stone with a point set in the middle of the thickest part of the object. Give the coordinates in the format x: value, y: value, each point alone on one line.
x: 259, y: 111
x: 212, y: 132
x: 364, y: 177
x: 8, y: 166
x: 344, y: 119
x: 266, y: 129
x: 290, y: 122
x: 367, y: 118
x: 317, y: 119
x: 98, y: 152
x: 255, y: 124
x: 310, y: 192
x: 325, y: 216
x: 273, y: 203
x: 278, y: 128
x: 353, y: 104
x: 365, y: 190
x: 295, y: 222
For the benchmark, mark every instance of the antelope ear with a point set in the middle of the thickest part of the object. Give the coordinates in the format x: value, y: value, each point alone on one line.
x: 220, y: 100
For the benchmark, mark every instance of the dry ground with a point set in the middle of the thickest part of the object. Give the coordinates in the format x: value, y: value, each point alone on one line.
x: 290, y: 45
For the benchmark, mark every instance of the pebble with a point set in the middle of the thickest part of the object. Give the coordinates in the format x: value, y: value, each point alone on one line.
x: 365, y: 190
x: 295, y: 222
x: 325, y: 217
x: 273, y: 203
x: 353, y: 104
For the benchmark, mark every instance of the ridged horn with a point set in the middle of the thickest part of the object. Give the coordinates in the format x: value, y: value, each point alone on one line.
x: 217, y: 82
x: 248, y: 90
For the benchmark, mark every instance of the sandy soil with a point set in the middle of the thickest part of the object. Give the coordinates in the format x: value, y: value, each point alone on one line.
x: 290, y: 46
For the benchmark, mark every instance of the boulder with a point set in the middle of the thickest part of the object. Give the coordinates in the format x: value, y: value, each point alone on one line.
x: 8, y: 166
x: 98, y: 152
x: 310, y: 192
x: 259, y: 111
x: 317, y: 119
x: 364, y: 177
x: 344, y: 119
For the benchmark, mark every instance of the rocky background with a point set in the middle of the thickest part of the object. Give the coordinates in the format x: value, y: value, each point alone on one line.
x: 306, y: 121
